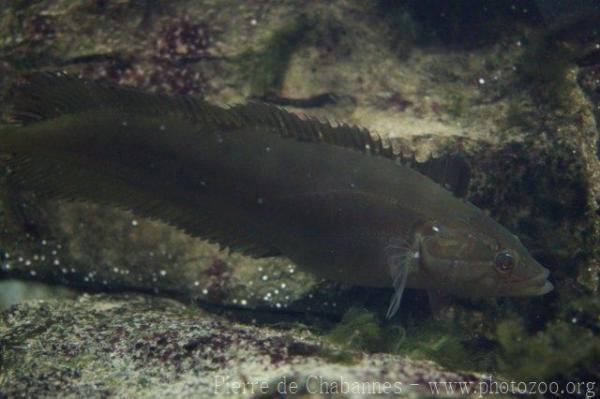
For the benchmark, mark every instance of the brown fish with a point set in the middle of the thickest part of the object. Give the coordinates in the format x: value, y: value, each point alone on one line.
x: 257, y: 179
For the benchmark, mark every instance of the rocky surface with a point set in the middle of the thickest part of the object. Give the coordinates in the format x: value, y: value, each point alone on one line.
x: 518, y: 105
x: 138, y: 346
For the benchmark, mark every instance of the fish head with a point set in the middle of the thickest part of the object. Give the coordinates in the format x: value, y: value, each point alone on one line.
x: 478, y: 259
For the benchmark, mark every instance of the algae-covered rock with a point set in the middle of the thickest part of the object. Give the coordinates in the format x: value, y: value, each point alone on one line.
x: 137, y: 346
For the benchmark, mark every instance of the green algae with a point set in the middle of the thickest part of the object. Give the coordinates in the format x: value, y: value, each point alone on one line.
x: 362, y: 330
x: 359, y: 329
x: 265, y: 69
x: 567, y: 347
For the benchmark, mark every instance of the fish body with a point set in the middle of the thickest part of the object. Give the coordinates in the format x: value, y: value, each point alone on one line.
x: 257, y: 179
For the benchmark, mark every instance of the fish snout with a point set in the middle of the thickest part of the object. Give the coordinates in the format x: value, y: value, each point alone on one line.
x: 534, y: 286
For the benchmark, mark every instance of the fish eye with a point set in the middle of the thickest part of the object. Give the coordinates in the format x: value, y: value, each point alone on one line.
x: 505, y: 261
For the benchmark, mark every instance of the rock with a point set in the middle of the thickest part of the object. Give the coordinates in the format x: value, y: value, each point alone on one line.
x: 135, y: 346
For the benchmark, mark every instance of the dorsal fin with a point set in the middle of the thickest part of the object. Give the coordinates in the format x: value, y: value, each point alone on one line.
x: 40, y: 96
x: 48, y: 95
x: 451, y: 171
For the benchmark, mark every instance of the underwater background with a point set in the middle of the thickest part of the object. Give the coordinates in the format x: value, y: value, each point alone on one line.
x: 133, y: 307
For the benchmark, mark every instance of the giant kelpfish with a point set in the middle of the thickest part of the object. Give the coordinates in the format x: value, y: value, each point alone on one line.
x: 258, y: 179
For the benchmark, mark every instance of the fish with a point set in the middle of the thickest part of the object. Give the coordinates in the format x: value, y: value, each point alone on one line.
x: 262, y: 181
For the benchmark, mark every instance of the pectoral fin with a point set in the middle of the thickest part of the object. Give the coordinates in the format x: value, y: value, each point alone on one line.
x: 398, y: 260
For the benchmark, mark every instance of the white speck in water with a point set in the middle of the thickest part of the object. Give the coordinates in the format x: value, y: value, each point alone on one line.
x: 436, y: 229
x: 124, y: 123
x: 44, y: 242
x: 260, y: 268
x: 260, y: 201
x: 116, y: 269
x: 7, y: 266
x: 265, y: 277
x: 243, y: 302
x: 58, y: 246
x: 253, y: 22
x: 276, y: 291
x: 204, y: 291
x: 292, y: 270
x: 519, y: 43
x: 310, y: 296
x: 481, y: 81
x: 33, y: 272
x: 574, y: 320
x: 416, y: 255
x: 203, y: 183
x: 267, y: 149
x: 196, y: 283
x: 36, y: 257
x: 283, y: 285
x: 278, y: 305
x: 367, y: 147
x: 27, y: 262
x: 597, y: 45
x: 20, y: 259
x: 234, y: 301
x: 163, y: 273
x: 64, y: 270
x: 134, y: 222
x: 56, y: 262
x: 53, y: 252
x: 352, y: 185
x: 162, y: 127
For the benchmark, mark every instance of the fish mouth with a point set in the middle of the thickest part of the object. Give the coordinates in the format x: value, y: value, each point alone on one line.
x: 538, y: 285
